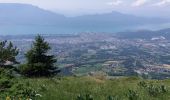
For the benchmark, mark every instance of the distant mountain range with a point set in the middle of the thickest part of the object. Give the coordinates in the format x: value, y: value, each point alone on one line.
x: 25, y: 19
x: 23, y: 14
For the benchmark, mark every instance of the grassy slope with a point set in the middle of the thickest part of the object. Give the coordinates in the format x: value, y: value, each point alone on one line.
x: 68, y: 88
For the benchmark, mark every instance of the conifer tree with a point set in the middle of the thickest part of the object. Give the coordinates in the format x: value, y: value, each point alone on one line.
x: 39, y: 62
x: 8, y: 54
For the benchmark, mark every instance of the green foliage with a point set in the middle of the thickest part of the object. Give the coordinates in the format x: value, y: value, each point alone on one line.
x: 39, y: 62
x: 90, y: 97
x: 7, y: 53
x: 80, y: 97
x: 23, y: 90
x: 5, y: 80
x: 85, y: 88
x: 153, y: 89
x: 86, y: 97
x: 142, y: 84
x: 113, y: 98
x: 11, y: 86
x: 132, y: 95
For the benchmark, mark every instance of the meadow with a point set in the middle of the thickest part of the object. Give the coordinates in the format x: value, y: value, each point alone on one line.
x: 99, y: 88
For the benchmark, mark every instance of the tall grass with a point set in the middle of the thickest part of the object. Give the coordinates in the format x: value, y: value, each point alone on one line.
x: 71, y: 88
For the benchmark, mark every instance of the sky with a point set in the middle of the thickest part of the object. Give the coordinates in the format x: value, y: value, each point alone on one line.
x: 148, y: 8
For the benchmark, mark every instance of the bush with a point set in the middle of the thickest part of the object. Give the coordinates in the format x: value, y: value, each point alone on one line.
x: 10, y: 86
x: 6, y: 80
x: 23, y: 68
x: 23, y: 91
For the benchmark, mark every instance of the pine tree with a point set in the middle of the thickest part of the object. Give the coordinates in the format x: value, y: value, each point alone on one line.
x: 39, y: 62
x: 8, y: 53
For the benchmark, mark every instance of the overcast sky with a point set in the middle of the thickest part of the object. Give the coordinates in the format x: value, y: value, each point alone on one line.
x: 80, y: 7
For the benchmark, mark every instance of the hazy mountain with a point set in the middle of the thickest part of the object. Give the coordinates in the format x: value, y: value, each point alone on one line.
x: 116, y: 18
x: 23, y: 14
x: 23, y: 18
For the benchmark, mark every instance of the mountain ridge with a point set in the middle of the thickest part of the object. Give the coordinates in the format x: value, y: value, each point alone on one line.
x: 35, y: 20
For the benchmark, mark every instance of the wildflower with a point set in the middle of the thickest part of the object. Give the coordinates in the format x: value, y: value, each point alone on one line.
x: 8, y: 98
x: 28, y: 98
x: 19, y: 98
x: 38, y: 95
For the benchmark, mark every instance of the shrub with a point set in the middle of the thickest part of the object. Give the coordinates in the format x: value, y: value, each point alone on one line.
x: 10, y: 86
x: 6, y: 80
x: 23, y: 91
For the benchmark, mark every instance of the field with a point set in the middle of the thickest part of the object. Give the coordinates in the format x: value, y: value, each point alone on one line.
x: 99, y: 88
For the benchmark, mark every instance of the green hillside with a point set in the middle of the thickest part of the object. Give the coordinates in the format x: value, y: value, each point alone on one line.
x: 98, y: 88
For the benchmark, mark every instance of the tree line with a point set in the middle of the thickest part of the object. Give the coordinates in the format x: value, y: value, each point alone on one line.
x: 39, y: 62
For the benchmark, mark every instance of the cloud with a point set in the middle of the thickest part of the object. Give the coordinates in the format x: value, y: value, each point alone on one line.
x: 162, y: 2
x: 115, y: 3
x: 139, y: 3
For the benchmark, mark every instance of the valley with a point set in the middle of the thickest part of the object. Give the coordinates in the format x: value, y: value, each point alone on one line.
x: 108, y: 54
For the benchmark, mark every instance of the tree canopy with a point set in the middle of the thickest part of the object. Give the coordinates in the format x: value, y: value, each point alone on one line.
x: 39, y: 62
x: 8, y: 53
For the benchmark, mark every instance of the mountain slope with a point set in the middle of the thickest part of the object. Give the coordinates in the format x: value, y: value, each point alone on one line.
x: 31, y: 19
x: 119, y: 19
x: 23, y: 14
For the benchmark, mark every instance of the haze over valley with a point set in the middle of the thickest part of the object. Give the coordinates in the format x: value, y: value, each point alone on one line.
x: 84, y: 49
x: 114, y: 43
x: 120, y: 54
